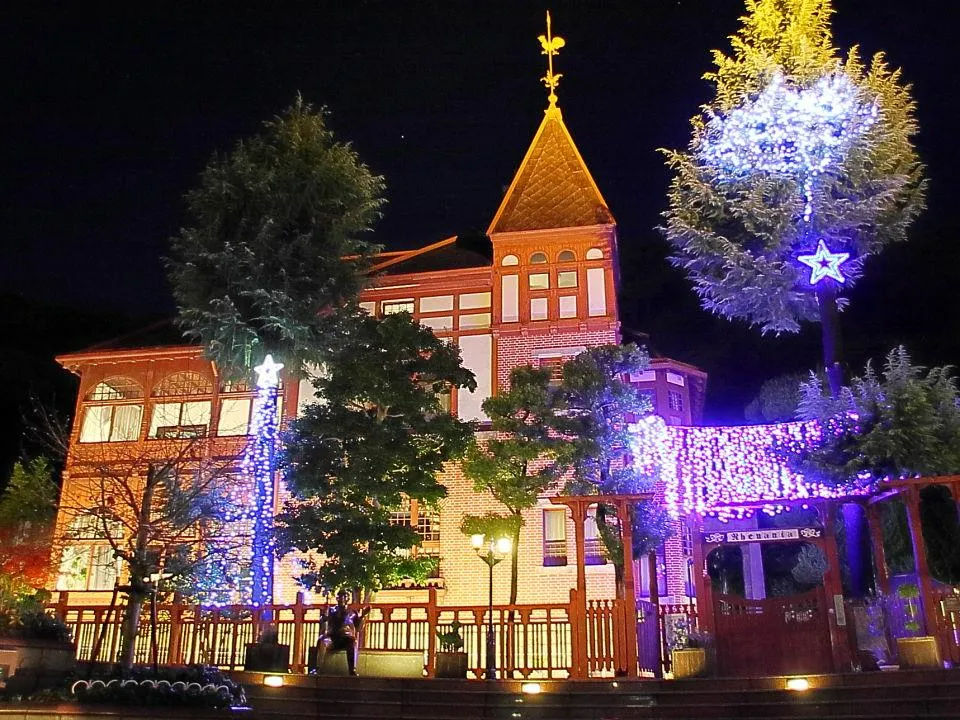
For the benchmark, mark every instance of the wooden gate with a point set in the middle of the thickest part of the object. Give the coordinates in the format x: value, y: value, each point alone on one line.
x: 776, y: 636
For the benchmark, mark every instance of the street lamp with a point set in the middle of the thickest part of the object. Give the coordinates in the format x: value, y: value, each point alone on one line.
x: 491, y: 551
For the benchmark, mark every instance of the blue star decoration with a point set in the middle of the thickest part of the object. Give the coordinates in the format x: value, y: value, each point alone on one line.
x: 824, y: 264
x: 267, y: 373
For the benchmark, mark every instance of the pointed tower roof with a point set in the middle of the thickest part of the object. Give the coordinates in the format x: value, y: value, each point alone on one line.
x: 553, y: 187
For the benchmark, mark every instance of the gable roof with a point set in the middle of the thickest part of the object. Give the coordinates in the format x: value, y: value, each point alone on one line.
x: 553, y: 187
x: 454, y: 253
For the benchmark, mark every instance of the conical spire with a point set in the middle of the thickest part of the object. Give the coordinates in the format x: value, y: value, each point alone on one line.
x: 553, y: 187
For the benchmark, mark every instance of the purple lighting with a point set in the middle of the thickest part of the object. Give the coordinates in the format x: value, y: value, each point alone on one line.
x: 824, y: 264
x: 728, y: 472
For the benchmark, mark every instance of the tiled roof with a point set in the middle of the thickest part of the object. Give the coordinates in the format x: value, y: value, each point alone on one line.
x: 553, y: 187
x: 456, y: 253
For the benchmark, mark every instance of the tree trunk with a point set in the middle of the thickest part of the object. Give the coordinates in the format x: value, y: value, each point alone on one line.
x: 514, y: 565
x: 830, y: 333
x: 131, y: 626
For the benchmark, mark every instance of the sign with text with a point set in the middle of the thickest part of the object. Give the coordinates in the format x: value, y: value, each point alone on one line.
x: 759, y: 536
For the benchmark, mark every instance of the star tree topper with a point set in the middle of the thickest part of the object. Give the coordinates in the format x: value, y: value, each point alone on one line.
x: 824, y: 264
x: 267, y: 373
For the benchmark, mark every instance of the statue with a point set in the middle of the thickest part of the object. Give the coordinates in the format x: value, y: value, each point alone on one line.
x: 339, y: 630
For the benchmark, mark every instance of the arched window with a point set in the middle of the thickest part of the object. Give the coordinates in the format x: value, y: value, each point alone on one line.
x: 538, y: 258
x: 566, y: 256
x: 510, y: 260
x: 183, y: 384
x: 115, y: 388
x: 88, y: 561
x: 110, y: 416
x: 182, y: 418
x: 594, y: 254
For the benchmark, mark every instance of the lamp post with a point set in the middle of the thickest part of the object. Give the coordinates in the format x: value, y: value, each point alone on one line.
x: 491, y: 551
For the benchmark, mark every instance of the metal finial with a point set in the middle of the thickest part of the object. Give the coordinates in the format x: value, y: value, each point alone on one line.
x: 551, y: 46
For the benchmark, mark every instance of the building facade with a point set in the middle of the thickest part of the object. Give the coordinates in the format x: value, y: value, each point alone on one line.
x: 540, y: 288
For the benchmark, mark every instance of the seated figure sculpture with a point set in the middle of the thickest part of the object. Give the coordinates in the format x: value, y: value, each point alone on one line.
x: 339, y: 630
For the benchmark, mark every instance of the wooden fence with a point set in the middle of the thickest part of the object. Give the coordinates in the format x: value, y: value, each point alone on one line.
x: 532, y: 641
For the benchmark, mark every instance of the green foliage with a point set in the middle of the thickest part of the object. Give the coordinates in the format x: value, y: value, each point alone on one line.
x: 22, y: 613
x: 941, y: 533
x: 262, y: 260
x: 595, y: 407
x: 904, y: 422
x: 492, y: 525
x: 777, y: 400
x: 30, y: 494
x: 377, y: 437
x: 450, y: 640
x: 737, y: 239
x: 523, y: 458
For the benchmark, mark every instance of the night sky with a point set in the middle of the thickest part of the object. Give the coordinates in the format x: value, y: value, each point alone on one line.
x: 111, y: 111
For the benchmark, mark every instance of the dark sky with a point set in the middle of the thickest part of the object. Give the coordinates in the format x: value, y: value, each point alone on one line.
x: 111, y: 111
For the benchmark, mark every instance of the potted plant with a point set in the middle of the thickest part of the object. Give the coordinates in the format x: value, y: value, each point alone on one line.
x: 920, y: 651
x: 690, y: 659
x: 451, y: 661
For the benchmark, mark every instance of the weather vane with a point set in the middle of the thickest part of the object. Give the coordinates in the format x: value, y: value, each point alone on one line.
x: 551, y: 46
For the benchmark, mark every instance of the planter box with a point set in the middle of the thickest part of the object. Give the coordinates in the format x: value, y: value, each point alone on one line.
x: 29, y: 665
x: 267, y: 657
x: 919, y: 652
x: 689, y: 663
x: 451, y: 665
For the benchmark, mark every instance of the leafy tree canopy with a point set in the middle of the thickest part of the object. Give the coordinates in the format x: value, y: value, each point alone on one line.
x: 377, y: 437
x: 777, y: 400
x: 737, y: 230
x: 902, y: 422
x: 262, y: 259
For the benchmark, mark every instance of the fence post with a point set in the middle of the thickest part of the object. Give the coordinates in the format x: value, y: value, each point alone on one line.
x: 298, y: 618
x: 176, y: 615
x: 63, y: 602
x: 578, y: 635
x: 433, y: 620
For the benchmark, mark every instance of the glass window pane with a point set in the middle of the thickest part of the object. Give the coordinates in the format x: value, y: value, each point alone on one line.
x: 396, y: 306
x: 103, y: 568
x: 74, y: 568
x: 126, y: 422
x: 196, y: 413
x: 554, y: 525
x: 567, y: 279
x: 539, y: 281
x: 96, y: 424
x: 568, y: 306
x: 164, y: 415
x: 538, y: 309
x: 234, y: 417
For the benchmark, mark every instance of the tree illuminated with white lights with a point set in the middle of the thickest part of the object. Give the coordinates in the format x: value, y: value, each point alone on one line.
x: 800, y: 168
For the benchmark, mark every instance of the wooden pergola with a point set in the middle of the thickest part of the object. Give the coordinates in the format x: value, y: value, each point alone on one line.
x: 625, y: 623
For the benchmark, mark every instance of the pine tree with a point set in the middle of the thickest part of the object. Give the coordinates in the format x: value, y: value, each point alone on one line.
x: 798, y: 146
x: 261, y: 262
x: 376, y: 437
x: 521, y: 461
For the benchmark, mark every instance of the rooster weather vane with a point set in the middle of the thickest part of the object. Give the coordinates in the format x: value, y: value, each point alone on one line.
x: 551, y: 46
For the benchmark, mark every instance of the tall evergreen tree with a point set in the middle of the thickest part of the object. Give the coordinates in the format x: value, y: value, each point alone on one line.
x: 376, y: 437
x: 261, y: 262
x: 799, y: 147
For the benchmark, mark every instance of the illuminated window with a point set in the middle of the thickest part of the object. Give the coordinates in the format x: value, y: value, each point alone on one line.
x: 538, y: 308
x: 554, y: 537
x: 539, y: 281
x: 566, y: 256
x: 538, y: 258
x: 88, y: 562
x: 180, y: 419
x: 111, y: 423
x: 234, y: 416
x: 115, y: 388
x: 567, y: 279
x: 594, y: 254
x: 396, y: 306
x: 568, y: 306
x: 594, y: 552
x: 425, y: 522
x: 510, y: 260
x: 555, y: 366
